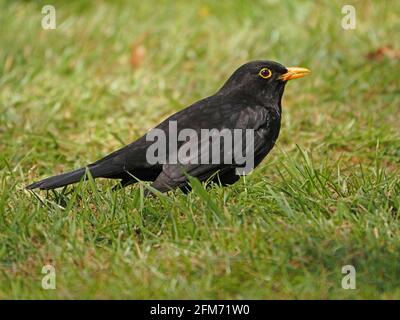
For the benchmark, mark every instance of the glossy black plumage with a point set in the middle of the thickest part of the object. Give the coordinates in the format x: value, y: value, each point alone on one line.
x: 245, y: 101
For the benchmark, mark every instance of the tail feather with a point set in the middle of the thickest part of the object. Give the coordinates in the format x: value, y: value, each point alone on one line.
x: 59, y: 181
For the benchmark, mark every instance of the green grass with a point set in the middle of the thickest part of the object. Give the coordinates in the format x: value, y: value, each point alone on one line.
x: 326, y: 196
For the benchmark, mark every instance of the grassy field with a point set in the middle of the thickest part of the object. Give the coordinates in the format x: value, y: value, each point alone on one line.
x: 325, y: 197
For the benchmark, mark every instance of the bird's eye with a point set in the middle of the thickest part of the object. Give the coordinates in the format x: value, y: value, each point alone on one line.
x: 265, y: 73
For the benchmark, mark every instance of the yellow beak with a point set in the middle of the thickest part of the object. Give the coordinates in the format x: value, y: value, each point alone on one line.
x: 294, y: 73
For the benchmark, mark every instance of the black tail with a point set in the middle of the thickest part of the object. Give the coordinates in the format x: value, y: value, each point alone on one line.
x: 59, y: 181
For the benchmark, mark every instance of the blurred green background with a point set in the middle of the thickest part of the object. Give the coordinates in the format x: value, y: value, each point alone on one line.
x: 326, y: 196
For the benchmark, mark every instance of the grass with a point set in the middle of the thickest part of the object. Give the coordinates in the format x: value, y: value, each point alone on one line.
x: 326, y: 196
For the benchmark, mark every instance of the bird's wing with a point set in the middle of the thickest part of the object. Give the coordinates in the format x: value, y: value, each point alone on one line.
x: 132, y: 157
x: 210, y: 113
x: 206, y: 112
x: 225, y: 117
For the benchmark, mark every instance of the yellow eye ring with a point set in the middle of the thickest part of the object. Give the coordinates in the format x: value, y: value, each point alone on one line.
x: 265, y: 73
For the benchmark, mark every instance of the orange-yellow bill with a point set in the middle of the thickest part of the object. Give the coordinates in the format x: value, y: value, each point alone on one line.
x: 294, y: 73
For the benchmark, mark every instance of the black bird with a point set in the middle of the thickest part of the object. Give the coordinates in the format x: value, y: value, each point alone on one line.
x: 249, y: 99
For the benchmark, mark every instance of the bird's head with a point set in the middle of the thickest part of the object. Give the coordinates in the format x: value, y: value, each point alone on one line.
x: 262, y: 79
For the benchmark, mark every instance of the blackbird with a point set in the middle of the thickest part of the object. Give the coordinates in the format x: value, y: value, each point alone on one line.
x: 249, y: 100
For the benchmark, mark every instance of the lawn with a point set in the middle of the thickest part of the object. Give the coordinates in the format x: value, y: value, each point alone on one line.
x: 325, y: 197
